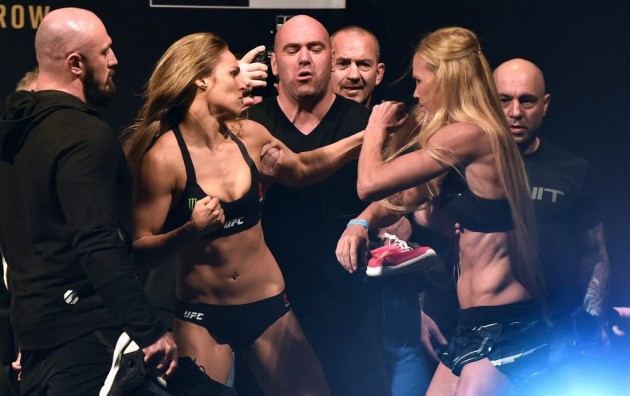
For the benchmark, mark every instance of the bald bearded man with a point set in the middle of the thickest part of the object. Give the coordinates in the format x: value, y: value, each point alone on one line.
x: 65, y: 218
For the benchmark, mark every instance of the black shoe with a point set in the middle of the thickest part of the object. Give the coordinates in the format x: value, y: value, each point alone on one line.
x: 133, y: 378
x: 129, y: 376
x: 189, y: 379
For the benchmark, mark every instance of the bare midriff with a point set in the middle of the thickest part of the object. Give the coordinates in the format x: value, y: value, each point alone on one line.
x: 236, y: 269
x: 486, y: 277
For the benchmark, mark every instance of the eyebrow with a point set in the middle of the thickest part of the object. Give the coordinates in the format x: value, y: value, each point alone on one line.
x: 357, y: 60
x: 105, y: 48
x: 107, y: 45
x: 308, y: 44
x: 525, y: 95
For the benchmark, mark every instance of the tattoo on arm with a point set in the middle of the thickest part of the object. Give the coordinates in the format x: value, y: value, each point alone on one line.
x: 594, y: 262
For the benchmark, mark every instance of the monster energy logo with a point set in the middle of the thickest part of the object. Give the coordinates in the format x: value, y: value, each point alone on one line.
x: 191, y: 203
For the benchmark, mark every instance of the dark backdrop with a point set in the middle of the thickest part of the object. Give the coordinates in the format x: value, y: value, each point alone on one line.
x: 582, y: 47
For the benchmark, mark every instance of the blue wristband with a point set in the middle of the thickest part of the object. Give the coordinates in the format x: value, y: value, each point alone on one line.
x: 364, y: 223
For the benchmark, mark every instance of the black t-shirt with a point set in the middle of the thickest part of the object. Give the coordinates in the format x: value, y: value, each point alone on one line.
x: 564, y: 196
x: 302, y: 226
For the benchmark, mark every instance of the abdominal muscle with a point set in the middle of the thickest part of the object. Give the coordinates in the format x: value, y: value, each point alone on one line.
x: 236, y: 269
x: 486, y: 277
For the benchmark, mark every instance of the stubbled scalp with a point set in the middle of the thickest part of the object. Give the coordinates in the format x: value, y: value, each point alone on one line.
x: 299, y: 20
x: 525, y: 67
x: 62, y: 32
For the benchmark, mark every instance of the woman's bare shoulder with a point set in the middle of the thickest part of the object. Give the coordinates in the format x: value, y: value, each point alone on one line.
x: 461, y: 130
x: 249, y: 130
x: 165, y: 155
x: 466, y: 140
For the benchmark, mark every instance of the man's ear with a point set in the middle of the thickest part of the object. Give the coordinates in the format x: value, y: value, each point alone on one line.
x: 546, y: 101
x: 75, y: 63
x: 380, y: 72
x: 274, y: 64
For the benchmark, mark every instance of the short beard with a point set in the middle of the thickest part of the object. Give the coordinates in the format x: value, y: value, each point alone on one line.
x: 93, y: 94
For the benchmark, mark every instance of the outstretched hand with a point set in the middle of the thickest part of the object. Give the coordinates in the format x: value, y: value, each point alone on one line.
x: 353, y: 247
x: 253, y: 74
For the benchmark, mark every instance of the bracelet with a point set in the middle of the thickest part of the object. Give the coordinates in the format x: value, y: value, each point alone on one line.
x: 364, y: 223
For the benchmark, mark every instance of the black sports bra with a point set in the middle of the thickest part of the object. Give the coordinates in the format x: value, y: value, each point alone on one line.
x: 473, y: 212
x: 240, y: 214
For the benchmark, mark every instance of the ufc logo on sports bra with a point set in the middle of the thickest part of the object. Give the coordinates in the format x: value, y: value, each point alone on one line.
x: 233, y: 222
x: 543, y: 193
x: 193, y: 315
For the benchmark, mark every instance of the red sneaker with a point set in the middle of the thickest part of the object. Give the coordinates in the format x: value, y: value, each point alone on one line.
x: 398, y: 257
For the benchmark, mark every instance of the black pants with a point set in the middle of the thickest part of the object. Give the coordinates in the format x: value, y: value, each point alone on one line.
x: 78, y: 367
